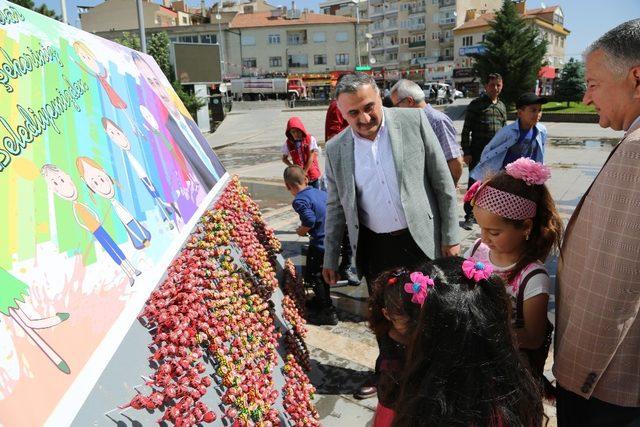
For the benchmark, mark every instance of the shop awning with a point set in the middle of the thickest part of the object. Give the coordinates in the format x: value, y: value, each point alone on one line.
x: 547, y: 72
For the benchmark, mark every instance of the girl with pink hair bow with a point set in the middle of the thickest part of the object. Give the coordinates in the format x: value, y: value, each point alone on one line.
x: 520, y: 227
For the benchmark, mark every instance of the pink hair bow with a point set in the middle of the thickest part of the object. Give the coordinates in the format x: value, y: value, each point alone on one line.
x: 471, y: 192
x: 529, y: 171
x: 476, y: 270
x: 419, y: 287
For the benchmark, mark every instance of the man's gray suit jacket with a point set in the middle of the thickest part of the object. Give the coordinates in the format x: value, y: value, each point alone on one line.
x: 427, y: 192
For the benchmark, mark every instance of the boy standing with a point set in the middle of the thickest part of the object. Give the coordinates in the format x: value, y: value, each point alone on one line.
x: 310, y: 204
x: 525, y: 137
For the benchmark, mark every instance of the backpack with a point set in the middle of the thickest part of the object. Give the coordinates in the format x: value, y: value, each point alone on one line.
x: 536, y: 357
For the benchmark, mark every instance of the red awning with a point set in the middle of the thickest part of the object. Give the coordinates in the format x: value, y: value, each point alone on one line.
x: 547, y: 72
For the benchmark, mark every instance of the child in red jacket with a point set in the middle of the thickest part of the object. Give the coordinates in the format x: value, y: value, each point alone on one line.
x: 301, y: 149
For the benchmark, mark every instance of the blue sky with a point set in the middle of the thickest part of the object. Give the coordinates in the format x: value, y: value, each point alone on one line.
x: 586, y: 19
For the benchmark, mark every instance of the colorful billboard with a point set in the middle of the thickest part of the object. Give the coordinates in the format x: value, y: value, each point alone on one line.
x: 103, y: 173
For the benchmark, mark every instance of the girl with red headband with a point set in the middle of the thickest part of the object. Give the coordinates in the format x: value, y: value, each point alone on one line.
x: 520, y: 227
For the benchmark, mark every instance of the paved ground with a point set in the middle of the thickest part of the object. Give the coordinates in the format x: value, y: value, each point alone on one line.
x: 249, y: 142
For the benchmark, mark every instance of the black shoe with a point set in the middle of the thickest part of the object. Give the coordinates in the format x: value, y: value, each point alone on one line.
x: 314, y: 303
x: 468, y: 222
x: 326, y: 316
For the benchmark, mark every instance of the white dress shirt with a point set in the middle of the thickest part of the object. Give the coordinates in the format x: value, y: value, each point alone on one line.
x: 379, y: 205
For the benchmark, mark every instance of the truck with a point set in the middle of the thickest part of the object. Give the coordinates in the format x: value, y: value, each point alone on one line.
x: 261, y: 88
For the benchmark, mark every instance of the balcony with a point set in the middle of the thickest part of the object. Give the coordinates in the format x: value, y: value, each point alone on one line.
x: 391, y: 28
x: 414, y: 10
x: 375, y: 2
x: 445, y: 58
x: 445, y: 40
x: 391, y: 9
x: 419, y: 43
x: 447, y: 21
x: 377, y: 11
x: 416, y: 27
x: 446, y: 3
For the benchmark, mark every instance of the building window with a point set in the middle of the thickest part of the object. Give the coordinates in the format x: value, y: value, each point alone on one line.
x: 248, y: 41
x: 484, y: 37
x: 342, y: 36
x: 249, y: 63
x: 298, y: 61
x: 275, y: 61
x: 273, y: 38
x: 296, y: 37
x: 342, y: 59
x: 319, y: 37
x: 208, y: 38
x: 188, y: 39
x: 185, y: 20
x: 467, y: 41
x: 320, y: 59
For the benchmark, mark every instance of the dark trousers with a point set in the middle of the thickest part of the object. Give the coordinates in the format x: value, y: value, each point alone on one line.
x: 575, y: 411
x: 380, y: 252
x: 313, y: 275
x: 468, y: 209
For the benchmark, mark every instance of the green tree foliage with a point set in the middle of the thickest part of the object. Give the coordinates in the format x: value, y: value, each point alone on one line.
x: 42, y: 9
x: 158, y: 47
x: 514, y: 49
x: 571, y: 85
x: 129, y: 40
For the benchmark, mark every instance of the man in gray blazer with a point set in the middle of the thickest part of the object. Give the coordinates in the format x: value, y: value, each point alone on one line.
x: 389, y: 184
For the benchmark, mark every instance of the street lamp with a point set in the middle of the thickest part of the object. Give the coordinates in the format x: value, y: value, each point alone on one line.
x: 357, y: 4
x: 221, y: 45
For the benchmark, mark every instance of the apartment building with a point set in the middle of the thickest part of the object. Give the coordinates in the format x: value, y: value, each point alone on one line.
x: 293, y: 41
x: 470, y: 34
x: 414, y: 38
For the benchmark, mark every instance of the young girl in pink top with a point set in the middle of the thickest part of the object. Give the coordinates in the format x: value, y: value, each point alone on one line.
x: 520, y: 228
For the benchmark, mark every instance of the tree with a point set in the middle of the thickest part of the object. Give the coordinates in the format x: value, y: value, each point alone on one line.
x: 42, y: 9
x: 158, y: 47
x: 129, y: 40
x: 571, y: 86
x: 515, y: 49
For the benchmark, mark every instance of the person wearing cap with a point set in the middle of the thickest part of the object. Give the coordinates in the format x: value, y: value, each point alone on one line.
x: 525, y: 137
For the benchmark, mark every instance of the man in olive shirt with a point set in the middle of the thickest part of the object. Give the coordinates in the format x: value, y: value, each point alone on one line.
x: 485, y: 116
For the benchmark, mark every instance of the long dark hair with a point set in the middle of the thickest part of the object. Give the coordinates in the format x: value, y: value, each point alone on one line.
x: 463, y: 368
x: 546, y: 231
x: 389, y: 293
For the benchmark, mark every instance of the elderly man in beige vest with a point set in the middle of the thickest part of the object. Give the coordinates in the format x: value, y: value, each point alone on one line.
x: 597, y: 347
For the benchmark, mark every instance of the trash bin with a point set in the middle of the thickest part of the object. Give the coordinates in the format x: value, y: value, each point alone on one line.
x: 216, y: 106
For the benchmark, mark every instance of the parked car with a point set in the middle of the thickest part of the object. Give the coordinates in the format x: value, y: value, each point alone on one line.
x: 439, y: 93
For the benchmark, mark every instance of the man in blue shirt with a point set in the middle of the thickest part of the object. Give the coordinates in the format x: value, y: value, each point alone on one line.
x: 311, y: 206
x: 525, y: 137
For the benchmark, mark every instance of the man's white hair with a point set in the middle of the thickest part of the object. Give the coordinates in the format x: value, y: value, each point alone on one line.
x: 621, y: 47
x: 405, y: 88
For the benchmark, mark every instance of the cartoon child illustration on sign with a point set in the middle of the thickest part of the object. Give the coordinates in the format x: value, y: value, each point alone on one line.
x: 91, y: 66
x: 60, y: 183
x: 100, y: 183
x: 12, y: 294
x: 117, y: 136
x: 183, y: 129
x: 151, y: 125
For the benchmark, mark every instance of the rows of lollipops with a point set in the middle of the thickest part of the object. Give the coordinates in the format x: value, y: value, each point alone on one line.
x: 216, y: 332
